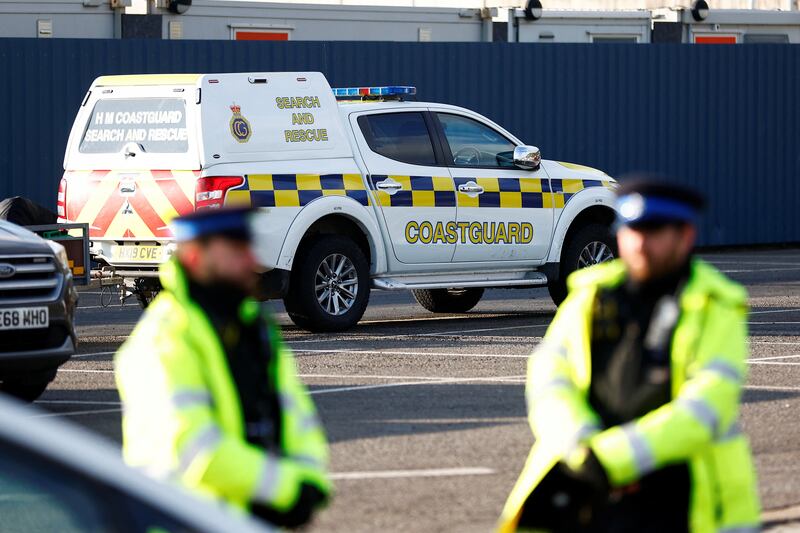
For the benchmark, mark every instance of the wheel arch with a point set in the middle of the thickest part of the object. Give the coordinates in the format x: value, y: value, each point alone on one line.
x: 334, y: 217
x: 580, y: 211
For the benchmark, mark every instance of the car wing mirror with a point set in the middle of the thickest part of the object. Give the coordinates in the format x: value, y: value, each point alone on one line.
x: 527, y: 157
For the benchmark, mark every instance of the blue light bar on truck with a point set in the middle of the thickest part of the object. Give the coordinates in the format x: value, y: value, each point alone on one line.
x: 360, y: 92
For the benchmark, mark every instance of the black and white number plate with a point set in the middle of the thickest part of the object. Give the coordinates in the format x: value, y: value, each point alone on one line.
x: 24, y: 318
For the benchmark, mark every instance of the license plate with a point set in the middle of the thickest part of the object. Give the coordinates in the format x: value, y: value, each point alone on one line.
x: 137, y: 254
x: 24, y: 318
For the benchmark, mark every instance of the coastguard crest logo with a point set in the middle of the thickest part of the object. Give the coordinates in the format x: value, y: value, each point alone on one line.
x: 240, y: 126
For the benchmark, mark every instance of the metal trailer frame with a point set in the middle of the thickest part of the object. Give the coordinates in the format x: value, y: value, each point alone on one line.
x: 84, y: 227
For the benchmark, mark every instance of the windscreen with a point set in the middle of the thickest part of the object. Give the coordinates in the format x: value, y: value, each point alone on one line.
x: 155, y: 125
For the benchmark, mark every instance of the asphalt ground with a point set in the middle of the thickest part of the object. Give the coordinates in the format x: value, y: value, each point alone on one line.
x: 426, y: 415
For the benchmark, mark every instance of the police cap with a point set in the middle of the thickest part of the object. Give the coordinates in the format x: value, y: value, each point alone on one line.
x: 647, y: 201
x: 231, y: 223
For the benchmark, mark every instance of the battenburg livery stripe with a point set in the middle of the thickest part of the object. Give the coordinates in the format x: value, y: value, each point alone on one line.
x: 509, y: 193
x: 296, y: 190
x: 417, y: 191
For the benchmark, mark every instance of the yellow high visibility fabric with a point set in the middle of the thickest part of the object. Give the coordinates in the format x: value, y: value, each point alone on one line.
x: 183, y: 421
x: 698, y: 426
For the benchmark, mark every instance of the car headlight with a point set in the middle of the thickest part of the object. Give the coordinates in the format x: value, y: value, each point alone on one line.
x: 60, y: 253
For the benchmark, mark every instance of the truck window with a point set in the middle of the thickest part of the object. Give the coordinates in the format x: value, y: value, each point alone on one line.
x: 400, y: 136
x: 473, y: 144
x: 156, y: 125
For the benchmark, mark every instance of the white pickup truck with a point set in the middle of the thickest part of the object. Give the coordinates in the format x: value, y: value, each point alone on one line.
x: 360, y: 188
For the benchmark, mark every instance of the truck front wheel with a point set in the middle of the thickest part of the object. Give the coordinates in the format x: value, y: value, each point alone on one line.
x: 329, y: 288
x: 448, y: 300
x: 590, y: 245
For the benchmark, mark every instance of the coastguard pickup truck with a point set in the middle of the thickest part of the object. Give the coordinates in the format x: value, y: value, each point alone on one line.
x: 359, y: 188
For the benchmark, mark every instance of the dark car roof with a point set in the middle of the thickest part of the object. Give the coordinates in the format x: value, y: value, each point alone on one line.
x: 17, y: 240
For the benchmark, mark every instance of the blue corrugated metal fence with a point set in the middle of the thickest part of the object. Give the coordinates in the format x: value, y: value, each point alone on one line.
x: 723, y: 118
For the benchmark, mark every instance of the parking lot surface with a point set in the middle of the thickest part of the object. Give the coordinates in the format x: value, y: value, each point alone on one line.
x: 426, y: 413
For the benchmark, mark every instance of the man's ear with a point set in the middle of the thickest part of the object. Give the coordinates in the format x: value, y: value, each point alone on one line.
x: 189, y: 255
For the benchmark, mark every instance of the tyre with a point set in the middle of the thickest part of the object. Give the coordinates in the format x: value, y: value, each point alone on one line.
x: 329, y: 287
x: 448, y: 300
x: 590, y: 245
x: 27, y: 389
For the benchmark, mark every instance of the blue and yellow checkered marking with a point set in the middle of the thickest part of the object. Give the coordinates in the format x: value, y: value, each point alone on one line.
x: 511, y: 193
x: 417, y: 191
x: 296, y: 190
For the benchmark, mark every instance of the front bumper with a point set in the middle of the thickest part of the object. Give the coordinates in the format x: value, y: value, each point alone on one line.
x: 41, y: 349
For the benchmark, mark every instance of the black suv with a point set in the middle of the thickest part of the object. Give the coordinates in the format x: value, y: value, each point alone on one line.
x: 37, y: 309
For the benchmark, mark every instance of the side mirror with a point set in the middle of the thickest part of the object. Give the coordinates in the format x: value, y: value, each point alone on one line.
x: 527, y: 157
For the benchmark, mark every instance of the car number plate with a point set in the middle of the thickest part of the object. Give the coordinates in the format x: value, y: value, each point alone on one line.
x: 24, y: 318
x: 137, y: 254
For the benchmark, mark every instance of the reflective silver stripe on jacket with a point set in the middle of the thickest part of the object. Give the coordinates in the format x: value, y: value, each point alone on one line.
x: 205, y: 439
x: 579, y: 436
x: 534, y: 393
x: 703, y: 413
x: 191, y: 398
x: 741, y: 529
x: 550, y: 347
x: 307, y: 460
x: 724, y: 369
x: 308, y: 423
x: 267, y: 487
x: 643, y: 456
x: 734, y: 431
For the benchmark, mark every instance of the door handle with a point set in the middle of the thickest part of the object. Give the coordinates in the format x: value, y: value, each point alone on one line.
x: 389, y: 186
x: 470, y: 188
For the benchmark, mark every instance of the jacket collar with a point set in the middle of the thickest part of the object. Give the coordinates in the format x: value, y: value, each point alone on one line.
x: 704, y: 282
x: 173, y: 279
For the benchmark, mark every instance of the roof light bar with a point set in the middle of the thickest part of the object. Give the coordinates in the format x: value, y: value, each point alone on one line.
x: 361, y: 92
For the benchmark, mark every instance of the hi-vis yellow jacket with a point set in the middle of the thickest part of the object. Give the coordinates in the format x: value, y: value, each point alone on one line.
x: 183, y: 420
x: 699, y: 426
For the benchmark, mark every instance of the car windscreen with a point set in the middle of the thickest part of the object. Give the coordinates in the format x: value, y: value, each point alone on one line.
x: 152, y: 125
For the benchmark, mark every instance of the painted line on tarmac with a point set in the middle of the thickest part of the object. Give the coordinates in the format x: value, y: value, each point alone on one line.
x: 788, y: 343
x: 367, y: 387
x: 108, y: 306
x: 78, y: 355
x: 771, y: 358
x: 456, y: 317
x: 503, y: 379
x: 753, y: 263
x: 772, y: 387
x: 445, y: 381
x: 398, y: 352
x: 773, y: 323
x: 759, y: 270
x: 796, y: 310
x: 456, y: 333
x: 85, y: 371
x: 400, y: 474
x: 80, y: 413
x: 76, y: 402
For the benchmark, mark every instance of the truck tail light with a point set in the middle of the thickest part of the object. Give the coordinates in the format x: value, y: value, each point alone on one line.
x: 61, y: 203
x: 209, y: 192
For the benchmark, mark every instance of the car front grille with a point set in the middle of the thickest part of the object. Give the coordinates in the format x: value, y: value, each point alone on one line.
x: 35, y: 279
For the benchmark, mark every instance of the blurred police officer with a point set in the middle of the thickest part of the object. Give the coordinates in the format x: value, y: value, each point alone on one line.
x: 633, y: 395
x: 211, y: 395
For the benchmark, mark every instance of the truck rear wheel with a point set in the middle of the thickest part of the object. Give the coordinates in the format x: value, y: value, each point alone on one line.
x: 329, y: 289
x: 448, y: 300
x: 591, y: 245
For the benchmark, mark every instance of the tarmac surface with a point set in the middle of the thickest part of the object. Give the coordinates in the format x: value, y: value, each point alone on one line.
x: 426, y: 415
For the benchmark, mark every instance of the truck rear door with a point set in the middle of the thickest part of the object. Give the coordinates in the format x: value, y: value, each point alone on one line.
x: 132, y: 162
